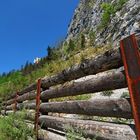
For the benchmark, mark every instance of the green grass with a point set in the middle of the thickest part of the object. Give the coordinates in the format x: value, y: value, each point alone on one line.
x: 75, y: 133
x: 17, y: 81
x: 109, y: 10
x: 13, y: 127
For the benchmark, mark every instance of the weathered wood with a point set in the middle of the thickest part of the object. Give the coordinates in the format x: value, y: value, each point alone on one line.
x: 10, y: 107
x: 21, y: 106
x: 100, y: 130
x: 103, y: 81
x: 11, y: 101
x: 25, y: 90
x: 27, y: 96
x: 98, y: 107
x: 27, y: 106
x: 2, y: 112
x: 109, y: 60
x: 47, y: 135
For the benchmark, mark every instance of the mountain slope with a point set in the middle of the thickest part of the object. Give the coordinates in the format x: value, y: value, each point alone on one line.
x: 110, y: 20
x: 95, y: 27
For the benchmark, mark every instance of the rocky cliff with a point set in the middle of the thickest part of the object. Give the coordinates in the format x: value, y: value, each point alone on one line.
x: 109, y: 20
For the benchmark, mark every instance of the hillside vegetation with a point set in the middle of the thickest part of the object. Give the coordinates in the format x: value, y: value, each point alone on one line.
x: 59, y: 58
x: 63, y: 55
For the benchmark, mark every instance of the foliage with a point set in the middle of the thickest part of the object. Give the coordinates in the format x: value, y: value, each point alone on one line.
x: 119, y: 5
x: 92, y: 38
x: 71, y: 133
x: 70, y: 98
x: 125, y: 95
x: 17, y: 80
x: 75, y: 133
x: 83, y: 41
x: 109, y: 10
x: 108, y: 119
x: 107, y: 93
x: 71, y: 45
x: 90, y: 3
x: 13, y: 127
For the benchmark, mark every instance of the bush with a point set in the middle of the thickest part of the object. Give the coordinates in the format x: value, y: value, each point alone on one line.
x: 92, y: 38
x: 110, y: 10
x: 125, y: 95
x: 72, y: 134
x: 83, y: 41
x: 75, y: 134
x: 107, y: 93
x: 119, y: 5
x: 71, y: 46
x: 13, y: 127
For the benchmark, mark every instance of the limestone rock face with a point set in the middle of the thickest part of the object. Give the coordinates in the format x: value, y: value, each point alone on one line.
x: 88, y: 16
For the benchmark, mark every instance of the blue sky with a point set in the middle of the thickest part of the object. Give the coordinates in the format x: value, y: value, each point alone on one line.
x: 27, y: 27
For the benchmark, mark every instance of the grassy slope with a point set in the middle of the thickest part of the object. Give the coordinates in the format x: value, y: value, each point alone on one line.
x: 17, y: 81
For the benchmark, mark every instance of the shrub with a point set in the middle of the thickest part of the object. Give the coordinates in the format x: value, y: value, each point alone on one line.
x: 92, y: 38
x: 71, y: 46
x: 110, y: 10
x: 125, y: 95
x: 83, y: 41
x: 75, y: 133
x: 107, y: 93
x: 13, y: 127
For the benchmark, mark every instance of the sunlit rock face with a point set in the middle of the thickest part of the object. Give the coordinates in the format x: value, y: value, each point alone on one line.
x: 88, y: 16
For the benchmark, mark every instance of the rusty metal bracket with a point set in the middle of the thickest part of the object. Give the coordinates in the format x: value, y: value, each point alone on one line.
x: 37, y: 107
x: 131, y: 58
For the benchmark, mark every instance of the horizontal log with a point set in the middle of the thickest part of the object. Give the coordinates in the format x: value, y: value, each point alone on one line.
x: 11, y: 101
x: 109, y: 80
x: 25, y: 90
x: 109, y: 60
x: 93, y: 129
x: 10, y: 107
x: 46, y: 134
x: 27, y: 96
x: 26, y: 106
x: 21, y: 106
x: 98, y: 107
x: 3, y: 112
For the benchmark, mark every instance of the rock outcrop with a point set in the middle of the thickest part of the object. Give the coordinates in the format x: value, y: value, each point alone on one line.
x: 88, y: 17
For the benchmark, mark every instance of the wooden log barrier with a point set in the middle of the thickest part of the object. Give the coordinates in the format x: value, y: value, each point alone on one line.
x: 110, y: 59
x: 98, y: 107
x: 92, y: 129
x: 101, y: 82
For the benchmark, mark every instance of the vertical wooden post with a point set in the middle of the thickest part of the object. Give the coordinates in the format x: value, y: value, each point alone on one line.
x: 37, y: 107
x: 131, y: 59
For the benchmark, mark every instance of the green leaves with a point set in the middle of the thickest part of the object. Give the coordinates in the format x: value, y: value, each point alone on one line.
x: 110, y: 10
x: 13, y: 127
